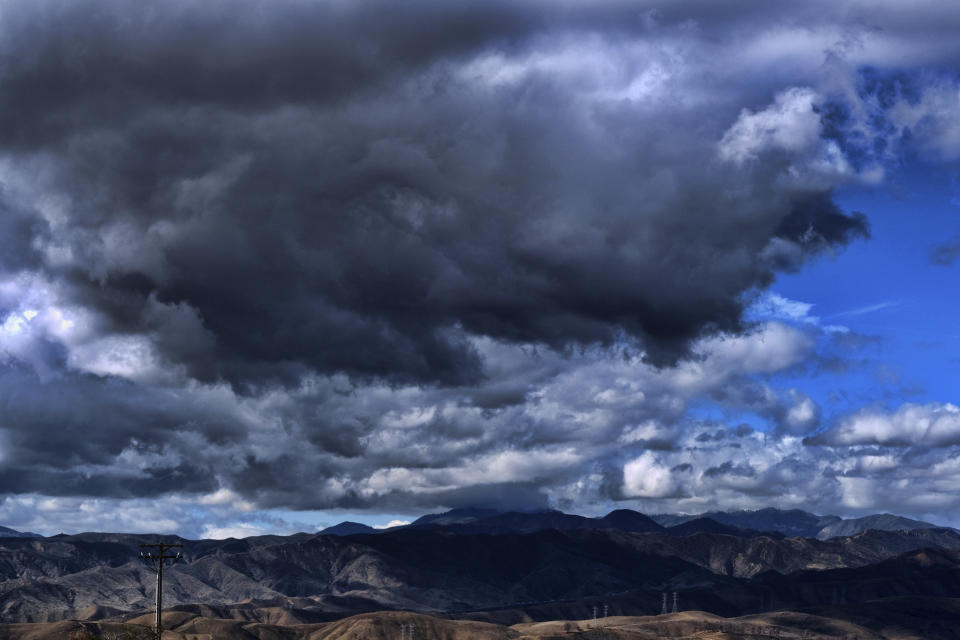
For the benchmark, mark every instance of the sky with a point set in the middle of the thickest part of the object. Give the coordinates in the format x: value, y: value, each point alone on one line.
x: 268, y: 266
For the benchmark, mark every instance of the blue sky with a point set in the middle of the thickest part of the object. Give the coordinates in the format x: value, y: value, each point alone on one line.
x: 887, y: 288
x: 524, y: 254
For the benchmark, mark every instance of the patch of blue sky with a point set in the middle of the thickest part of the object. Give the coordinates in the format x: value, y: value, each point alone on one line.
x: 312, y: 521
x: 888, y: 291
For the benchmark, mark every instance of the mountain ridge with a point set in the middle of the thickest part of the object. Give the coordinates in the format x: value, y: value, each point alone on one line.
x: 427, y: 570
x: 790, y: 523
x: 7, y: 532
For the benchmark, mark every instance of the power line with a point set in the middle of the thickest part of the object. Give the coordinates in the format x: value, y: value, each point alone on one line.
x: 159, y: 557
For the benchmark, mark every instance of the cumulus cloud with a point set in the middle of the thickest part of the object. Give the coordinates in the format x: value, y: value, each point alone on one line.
x: 930, y: 425
x: 361, y: 445
x: 790, y: 124
x: 646, y: 477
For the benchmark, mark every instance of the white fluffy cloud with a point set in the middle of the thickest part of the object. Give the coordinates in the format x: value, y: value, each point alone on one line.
x: 647, y: 477
x: 790, y: 124
x: 929, y: 425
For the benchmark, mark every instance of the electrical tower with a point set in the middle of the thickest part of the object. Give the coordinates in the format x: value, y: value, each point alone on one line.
x: 676, y: 602
x: 663, y: 607
x: 159, y: 557
x: 406, y: 631
x: 606, y: 608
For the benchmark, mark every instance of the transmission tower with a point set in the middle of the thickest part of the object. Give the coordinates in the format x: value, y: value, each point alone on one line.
x: 606, y: 609
x: 663, y: 606
x: 676, y: 602
x: 159, y: 557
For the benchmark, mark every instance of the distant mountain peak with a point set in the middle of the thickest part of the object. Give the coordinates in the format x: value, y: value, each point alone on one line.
x: 347, y: 528
x: 879, y: 522
x: 458, y: 515
x: 7, y: 532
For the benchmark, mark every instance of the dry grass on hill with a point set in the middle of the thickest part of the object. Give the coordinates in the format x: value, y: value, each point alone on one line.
x: 825, y: 624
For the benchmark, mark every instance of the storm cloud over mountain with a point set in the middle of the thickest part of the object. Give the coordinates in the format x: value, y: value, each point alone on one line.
x: 297, y: 255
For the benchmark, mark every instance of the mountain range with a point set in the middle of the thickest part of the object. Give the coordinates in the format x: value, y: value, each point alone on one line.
x: 491, y: 566
x: 790, y: 523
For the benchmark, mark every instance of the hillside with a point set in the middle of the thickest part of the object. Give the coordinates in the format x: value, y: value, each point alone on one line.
x: 428, y: 570
x: 888, y: 619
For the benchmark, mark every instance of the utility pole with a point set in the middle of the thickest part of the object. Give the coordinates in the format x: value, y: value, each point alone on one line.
x: 159, y: 557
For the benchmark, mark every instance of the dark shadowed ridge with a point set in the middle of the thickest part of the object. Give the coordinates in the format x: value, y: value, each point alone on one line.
x: 460, y: 515
x: 629, y: 520
x: 770, y: 521
x: 709, y: 525
x: 471, y: 521
x: 791, y: 523
x: 347, y: 528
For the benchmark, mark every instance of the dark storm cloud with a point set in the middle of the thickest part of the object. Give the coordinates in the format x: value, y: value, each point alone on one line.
x: 83, y: 435
x: 729, y: 468
x: 335, y: 188
x: 348, y: 255
x: 816, y: 224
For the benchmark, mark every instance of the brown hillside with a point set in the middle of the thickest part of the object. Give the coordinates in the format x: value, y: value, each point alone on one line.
x: 889, y: 619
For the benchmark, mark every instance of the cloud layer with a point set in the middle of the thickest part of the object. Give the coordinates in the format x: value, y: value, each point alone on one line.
x: 332, y: 255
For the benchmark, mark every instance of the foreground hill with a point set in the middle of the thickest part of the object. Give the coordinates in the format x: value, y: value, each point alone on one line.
x: 887, y: 619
